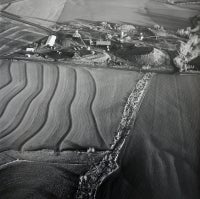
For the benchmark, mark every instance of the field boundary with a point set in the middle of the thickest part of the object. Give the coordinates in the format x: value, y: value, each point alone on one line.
x: 90, y: 182
x: 83, y: 65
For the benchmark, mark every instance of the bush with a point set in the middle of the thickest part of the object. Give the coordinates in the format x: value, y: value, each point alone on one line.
x: 188, y: 51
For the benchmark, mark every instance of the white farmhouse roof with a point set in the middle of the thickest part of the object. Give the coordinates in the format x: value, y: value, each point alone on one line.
x: 30, y: 49
x: 51, y: 40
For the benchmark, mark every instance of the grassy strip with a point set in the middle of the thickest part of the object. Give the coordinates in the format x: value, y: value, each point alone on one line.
x: 89, y: 183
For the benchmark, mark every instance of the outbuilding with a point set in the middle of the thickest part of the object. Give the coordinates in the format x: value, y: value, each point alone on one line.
x: 51, y: 41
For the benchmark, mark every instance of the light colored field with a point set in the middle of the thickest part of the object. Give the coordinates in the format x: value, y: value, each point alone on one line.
x: 108, y: 100
x: 62, y: 108
x: 83, y: 117
x: 85, y: 130
x: 5, y: 76
x: 59, y: 118
x: 17, y: 84
x: 16, y: 108
x: 43, y: 12
x: 142, y: 12
x: 36, y: 114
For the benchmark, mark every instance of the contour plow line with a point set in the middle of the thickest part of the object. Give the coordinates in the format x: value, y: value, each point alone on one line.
x: 92, y: 111
x: 5, y: 74
x: 17, y: 84
x: 94, y: 177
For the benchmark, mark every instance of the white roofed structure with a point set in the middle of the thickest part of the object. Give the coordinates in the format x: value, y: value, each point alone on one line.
x: 51, y: 41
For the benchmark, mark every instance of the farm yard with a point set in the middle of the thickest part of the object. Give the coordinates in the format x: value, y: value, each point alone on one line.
x: 60, y: 108
x: 24, y: 22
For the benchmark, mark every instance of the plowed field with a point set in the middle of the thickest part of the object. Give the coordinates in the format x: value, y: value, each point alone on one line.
x: 59, y: 107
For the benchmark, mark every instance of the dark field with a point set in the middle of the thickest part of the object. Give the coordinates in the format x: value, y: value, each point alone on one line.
x: 37, y: 180
x: 161, y: 156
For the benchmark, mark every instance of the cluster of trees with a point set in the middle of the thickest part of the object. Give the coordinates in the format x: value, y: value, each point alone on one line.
x: 187, y: 52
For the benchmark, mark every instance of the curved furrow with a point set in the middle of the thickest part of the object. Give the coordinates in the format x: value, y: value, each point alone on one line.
x: 92, y: 113
x: 5, y: 74
x: 36, y: 115
x: 18, y: 106
x: 59, y: 119
x: 18, y: 83
x: 38, y: 124
x: 58, y: 146
x: 112, y: 87
x: 83, y: 131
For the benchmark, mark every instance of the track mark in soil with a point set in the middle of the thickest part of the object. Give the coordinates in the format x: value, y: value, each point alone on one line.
x: 58, y: 121
x: 33, y: 129
x: 35, y: 115
x: 5, y: 71
x: 30, y: 94
x: 83, y: 128
x: 92, y: 112
x: 59, y: 144
x: 13, y: 89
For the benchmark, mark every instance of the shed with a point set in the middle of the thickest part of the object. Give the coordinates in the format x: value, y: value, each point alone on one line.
x: 103, y: 43
x: 51, y: 41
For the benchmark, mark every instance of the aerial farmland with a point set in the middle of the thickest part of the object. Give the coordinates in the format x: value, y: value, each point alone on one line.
x: 99, y: 99
x: 59, y: 107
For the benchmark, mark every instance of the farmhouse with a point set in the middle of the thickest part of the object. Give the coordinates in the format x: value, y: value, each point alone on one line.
x: 102, y: 43
x: 51, y: 41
